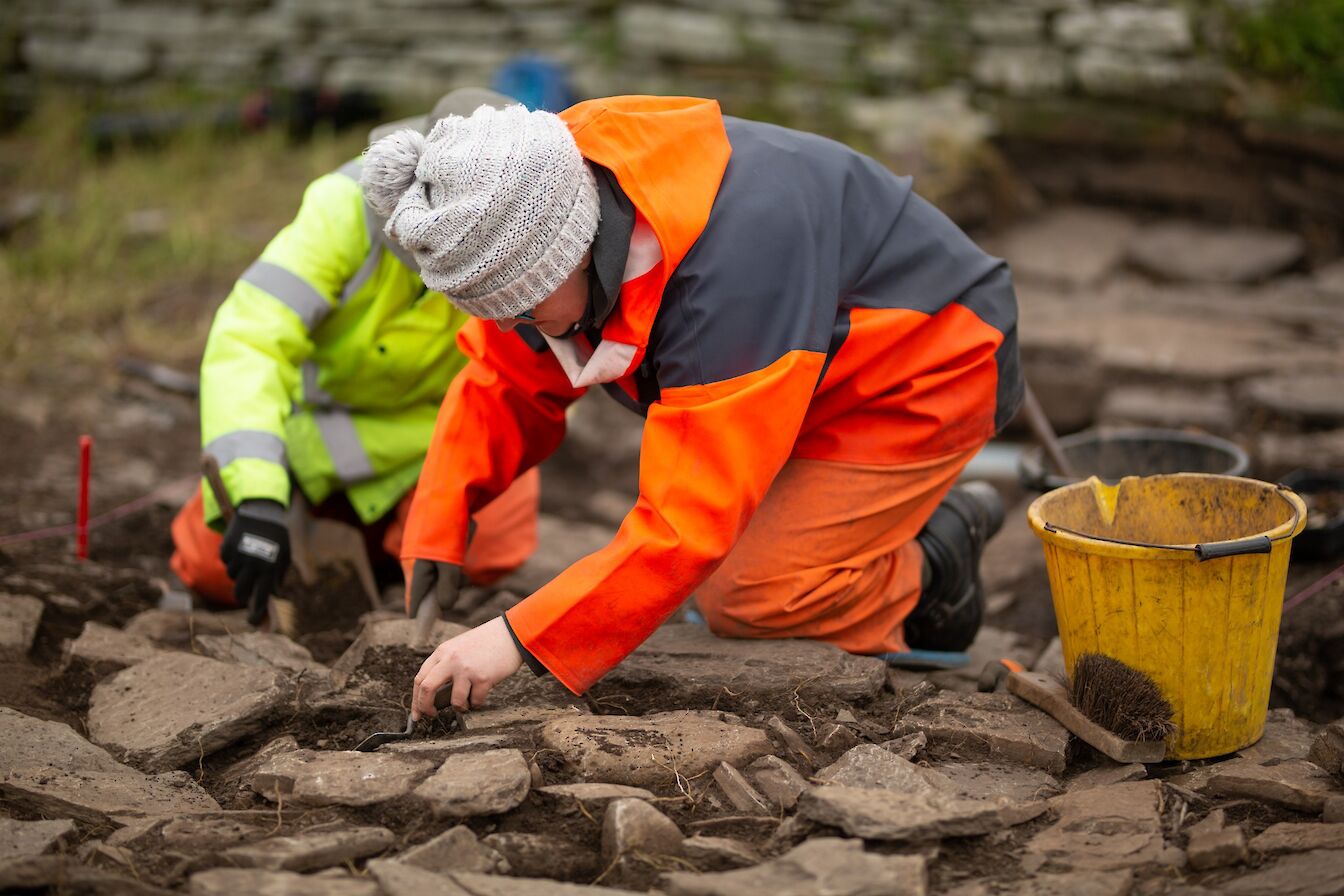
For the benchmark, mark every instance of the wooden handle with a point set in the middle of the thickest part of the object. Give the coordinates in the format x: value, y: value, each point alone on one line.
x: 210, y: 470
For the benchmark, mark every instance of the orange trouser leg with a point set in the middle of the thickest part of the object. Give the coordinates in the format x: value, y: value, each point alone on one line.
x: 196, y: 554
x: 506, y: 530
x: 830, y: 554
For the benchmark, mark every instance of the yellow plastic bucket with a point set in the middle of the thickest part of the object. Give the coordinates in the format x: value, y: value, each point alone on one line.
x: 1181, y: 577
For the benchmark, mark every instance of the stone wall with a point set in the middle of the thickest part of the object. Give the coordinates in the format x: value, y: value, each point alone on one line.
x: 920, y: 83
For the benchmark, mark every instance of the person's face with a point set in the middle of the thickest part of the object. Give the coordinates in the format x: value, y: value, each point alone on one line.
x: 557, y: 314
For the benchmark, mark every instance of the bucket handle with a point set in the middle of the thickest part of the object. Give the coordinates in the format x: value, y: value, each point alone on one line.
x: 1256, y: 544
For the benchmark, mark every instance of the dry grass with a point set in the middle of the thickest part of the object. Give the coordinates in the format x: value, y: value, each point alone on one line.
x: 132, y: 253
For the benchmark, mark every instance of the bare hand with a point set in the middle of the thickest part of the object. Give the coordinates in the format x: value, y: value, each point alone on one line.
x: 473, y: 663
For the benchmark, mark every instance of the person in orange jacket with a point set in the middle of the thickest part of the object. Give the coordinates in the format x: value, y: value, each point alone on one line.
x: 817, y: 352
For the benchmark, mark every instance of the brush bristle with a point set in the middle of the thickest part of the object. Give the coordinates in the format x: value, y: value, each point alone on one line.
x: 1120, y: 699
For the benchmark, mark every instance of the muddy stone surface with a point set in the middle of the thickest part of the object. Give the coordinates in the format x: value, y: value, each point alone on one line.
x: 948, y: 792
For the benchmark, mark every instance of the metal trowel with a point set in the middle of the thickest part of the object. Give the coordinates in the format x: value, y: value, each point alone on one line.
x: 453, y: 722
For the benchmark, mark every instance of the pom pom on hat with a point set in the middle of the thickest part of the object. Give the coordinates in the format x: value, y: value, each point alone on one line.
x: 498, y: 207
x: 389, y: 169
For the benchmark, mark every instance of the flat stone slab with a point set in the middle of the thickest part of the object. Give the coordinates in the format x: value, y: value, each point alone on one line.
x: 508, y: 716
x: 344, y: 778
x: 778, y: 781
x: 198, y: 832
x: 397, y: 879
x: 1069, y: 883
x: 264, y: 650
x: 593, y: 793
x: 50, y: 770
x: 1298, y: 837
x: 1327, y: 750
x: 877, y: 814
x: 870, y: 766
x: 988, y: 781
x: 826, y: 865
x: 19, y: 618
x: 456, y: 849
x: 692, y: 666
x: 170, y: 628
x: 311, y: 850
x: 440, y: 748
x: 1297, y: 784
x: 379, y: 637
x: 1314, y: 397
x: 649, y: 751
x: 1192, y: 252
x: 1112, y: 773
x: 173, y: 709
x: 997, y: 727
x: 474, y: 784
x: 719, y: 853
x: 633, y: 827
x: 1103, y: 829
x: 104, y: 649
x: 1068, y: 246
x: 1315, y: 873
x: 258, y: 882
x: 25, y: 839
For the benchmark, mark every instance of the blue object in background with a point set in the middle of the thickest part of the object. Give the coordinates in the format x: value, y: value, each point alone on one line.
x: 926, y: 659
x: 536, y: 82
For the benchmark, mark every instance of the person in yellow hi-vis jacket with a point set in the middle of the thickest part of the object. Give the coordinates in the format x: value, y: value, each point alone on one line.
x: 324, y: 371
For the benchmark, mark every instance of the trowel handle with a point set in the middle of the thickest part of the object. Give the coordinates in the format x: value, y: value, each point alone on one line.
x: 210, y: 470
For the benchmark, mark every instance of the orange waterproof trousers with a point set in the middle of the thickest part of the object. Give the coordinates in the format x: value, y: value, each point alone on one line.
x: 506, y: 535
x: 831, y: 555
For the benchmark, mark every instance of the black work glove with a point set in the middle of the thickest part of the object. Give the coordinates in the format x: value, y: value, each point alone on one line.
x: 256, y: 553
x: 442, y: 580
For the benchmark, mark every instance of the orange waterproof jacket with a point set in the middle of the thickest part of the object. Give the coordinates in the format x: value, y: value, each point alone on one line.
x: 783, y: 296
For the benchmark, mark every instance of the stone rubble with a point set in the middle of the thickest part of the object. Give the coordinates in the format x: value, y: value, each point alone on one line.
x: 1297, y: 837
x: 632, y: 827
x: 778, y: 781
x: 994, y: 727
x: 311, y: 850
x: 874, y: 814
x: 473, y: 784
x: 19, y: 619
x: 649, y: 751
x: 718, y: 853
x: 456, y: 849
x: 739, y: 792
x: 1104, y: 828
x: 311, y: 778
x: 53, y: 772
x: 258, y: 882
x: 266, y: 650
x: 1315, y: 873
x: 1297, y: 784
x: 823, y: 865
x: 1213, y: 845
x: 25, y: 839
x: 1327, y: 751
x: 170, y: 710
x: 103, y: 649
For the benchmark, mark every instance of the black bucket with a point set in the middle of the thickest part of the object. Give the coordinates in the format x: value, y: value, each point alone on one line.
x: 1111, y: 455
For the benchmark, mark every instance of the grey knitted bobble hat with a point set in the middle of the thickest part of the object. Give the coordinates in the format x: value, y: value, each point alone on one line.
x: 498, y: 208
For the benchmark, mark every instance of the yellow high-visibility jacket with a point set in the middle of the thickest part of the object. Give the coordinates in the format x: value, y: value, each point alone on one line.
x: 327, y: 361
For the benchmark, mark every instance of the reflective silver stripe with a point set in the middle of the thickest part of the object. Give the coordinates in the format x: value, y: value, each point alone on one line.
x: 295, y: 292
x: 373, y: 225
x: 313, y: 393
x: 352, y: 169
x: 247, y: 443
x: 347, y: 454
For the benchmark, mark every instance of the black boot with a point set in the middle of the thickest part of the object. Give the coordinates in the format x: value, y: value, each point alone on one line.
x: 952, y: 602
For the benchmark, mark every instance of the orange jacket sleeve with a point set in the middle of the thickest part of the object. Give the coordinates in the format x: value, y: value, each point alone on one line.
x: 503, y: 414
x: 708, y: 456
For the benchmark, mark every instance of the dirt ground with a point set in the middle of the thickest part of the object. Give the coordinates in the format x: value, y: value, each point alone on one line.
x: 146, y: 443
